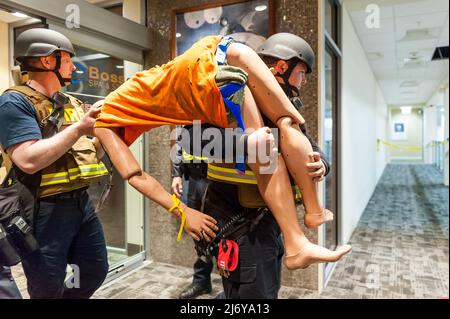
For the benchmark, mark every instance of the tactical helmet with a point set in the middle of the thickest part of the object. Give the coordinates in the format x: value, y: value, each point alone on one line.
x: 286, y: 46
x: 40, y: 42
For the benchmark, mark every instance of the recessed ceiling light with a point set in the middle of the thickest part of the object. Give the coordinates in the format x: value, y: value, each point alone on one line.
x: 417, y: 35
x: 410, y: 83
x: 19, y: 15
x: 260, y: 8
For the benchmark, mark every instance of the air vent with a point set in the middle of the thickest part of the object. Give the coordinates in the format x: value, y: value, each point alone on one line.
x: 409, y: 84
x: 441, y: 53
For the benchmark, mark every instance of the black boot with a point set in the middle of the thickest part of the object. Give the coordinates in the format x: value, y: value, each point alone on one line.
x: 193, y: 291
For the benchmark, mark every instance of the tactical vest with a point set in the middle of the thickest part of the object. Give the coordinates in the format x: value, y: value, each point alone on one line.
x: 249, y: 195
x: 79, y: 166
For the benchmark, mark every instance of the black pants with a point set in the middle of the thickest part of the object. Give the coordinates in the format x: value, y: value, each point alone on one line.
x: 8, y: 287
x: 68, y: 232
x: 258, y: 275
x: 196, y: 191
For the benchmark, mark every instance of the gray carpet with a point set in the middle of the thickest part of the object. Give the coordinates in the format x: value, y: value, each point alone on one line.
x: 400, y: 246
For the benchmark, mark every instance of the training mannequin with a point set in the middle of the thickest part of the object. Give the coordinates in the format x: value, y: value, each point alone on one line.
x: 132, y: 110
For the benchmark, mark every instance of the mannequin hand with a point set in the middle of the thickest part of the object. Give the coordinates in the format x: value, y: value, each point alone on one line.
x: 261, y: 146
x: 316, y: 167
x: 199, y: 225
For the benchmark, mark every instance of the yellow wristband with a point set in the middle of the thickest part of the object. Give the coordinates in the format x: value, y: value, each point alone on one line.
x: 176, y: 204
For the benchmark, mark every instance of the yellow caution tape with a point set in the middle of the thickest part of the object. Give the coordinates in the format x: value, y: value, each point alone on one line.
x: 405, y: 148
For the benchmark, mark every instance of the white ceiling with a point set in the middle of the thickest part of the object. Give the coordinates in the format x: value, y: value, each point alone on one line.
x: 400, y: 50
x: 7, y: 17
x: 104, y: 3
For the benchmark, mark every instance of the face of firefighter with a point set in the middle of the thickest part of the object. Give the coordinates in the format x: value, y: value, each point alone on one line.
x: 298, y: 76
x: 296, y: 80
x: 66, y: 68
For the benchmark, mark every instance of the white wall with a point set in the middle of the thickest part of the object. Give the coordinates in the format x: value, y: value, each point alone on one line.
x: 429, y: 134
x: 439, y: 98
x: 4, y: 57
x: 414, y: 135
x: 446, y: 130
x: 382, y: 116
x: 364, y: 119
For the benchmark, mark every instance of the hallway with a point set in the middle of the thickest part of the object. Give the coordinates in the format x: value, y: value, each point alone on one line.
x: 400, y: 246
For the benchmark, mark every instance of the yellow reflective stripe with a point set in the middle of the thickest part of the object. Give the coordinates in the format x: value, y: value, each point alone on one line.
x: 189, y: 157
x: 73, y: 174
x: 55, y: 180
x: 93, y: 169
x: 54, y: 175
x: 92, y: 173
x: 91, y: 166
x: 296, y: 191
x: 232, y: 179
x: 229, y: 170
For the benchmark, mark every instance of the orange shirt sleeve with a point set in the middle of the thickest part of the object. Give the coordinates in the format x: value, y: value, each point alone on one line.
x: 178, y: 92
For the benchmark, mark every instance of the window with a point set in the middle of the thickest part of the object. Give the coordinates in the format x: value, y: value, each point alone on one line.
x: 331, y: 19
x: 331, y: 120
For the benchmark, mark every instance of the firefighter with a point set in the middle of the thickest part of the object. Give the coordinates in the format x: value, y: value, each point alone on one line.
x: 46, y: 135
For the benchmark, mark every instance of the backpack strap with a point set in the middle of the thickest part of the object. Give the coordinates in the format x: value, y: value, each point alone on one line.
x: 40, y: 102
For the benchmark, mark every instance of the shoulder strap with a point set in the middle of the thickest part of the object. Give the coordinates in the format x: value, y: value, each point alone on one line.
x: 37, y: 99
x: 74, y: 101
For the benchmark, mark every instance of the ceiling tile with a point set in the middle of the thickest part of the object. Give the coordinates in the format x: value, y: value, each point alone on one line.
x: 420, y: 7
x: 397, y: 64
x: 443, y: 41
x: 386, y: 26
x: 434, y: 22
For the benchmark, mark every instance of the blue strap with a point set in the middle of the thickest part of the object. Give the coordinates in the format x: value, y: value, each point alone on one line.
x: 221, y: 52
x: 227, y: 91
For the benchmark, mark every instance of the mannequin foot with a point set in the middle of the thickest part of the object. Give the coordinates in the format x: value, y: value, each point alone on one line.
x: 314, y: 220
x: 311, y: 253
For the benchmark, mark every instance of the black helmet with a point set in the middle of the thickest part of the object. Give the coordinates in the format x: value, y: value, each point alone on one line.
x: 287, y: 46
x: 40, y: 42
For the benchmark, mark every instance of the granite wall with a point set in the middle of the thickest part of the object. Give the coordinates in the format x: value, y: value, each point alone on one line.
x: 295, y: 16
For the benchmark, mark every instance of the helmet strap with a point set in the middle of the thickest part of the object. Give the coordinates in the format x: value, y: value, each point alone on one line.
x: 289, y: 90
x: 62, y: 81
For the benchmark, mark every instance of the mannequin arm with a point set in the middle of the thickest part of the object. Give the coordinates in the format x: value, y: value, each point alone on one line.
x: 127, y: 166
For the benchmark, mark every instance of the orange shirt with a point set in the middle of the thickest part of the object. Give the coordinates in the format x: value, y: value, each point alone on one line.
x: 178, y: 92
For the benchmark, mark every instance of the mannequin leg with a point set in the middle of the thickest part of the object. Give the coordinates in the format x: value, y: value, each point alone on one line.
x: 276, y: 191
x: 295, y: 147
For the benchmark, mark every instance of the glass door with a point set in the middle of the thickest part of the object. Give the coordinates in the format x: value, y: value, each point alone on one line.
x: 330, y: 148
x: 96, y: 76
